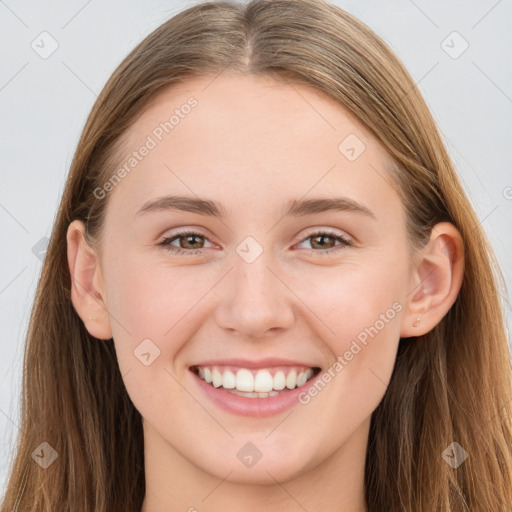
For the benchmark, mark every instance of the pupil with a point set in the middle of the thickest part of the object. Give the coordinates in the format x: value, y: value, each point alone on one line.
x: 322, y: 237
x: 190, y: 239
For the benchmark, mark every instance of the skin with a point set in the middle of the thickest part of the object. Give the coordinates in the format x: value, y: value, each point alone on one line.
x: 253, y: 144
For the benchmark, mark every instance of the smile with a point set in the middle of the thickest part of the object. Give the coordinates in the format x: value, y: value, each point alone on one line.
x: 255, y: 383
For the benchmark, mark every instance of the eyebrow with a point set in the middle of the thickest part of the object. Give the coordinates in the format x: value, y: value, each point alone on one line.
x: 294, y: 208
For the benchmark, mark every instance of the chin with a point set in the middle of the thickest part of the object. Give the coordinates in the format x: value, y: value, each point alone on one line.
x: 266, y: 470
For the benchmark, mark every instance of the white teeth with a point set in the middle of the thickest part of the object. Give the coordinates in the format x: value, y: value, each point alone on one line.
x: 279, y: 380
x: 291, y: 379
x: 244, y: 380
x: 244, y: 393
x: 216, y: 378
x: 253, y: 395
x: 229, y: 380
x: 263, y: 382
x: 260, y: 385
x: 301, y: 379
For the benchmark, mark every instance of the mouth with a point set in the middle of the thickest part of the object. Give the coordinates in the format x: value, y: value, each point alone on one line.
x: 262, y: 383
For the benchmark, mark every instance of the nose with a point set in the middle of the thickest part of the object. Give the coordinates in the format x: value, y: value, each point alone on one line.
x: 256, y: 301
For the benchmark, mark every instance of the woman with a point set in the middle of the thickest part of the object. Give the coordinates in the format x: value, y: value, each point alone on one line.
x: 186, y: 351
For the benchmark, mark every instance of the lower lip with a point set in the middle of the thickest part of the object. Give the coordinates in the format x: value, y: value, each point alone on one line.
x: 253, y: 407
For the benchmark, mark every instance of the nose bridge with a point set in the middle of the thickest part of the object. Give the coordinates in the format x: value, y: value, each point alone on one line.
x: 253, y: 276
x: 258, y: 300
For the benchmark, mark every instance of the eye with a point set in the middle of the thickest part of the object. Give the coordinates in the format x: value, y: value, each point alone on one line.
x: 193, y: 244
x: 318, y: 239
x: 190, y: 245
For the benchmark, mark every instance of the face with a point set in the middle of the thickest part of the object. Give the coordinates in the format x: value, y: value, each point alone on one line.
x: 269, y: 283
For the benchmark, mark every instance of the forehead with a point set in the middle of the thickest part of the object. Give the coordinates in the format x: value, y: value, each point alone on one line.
x: 249, y: 139
x: 246, y: 112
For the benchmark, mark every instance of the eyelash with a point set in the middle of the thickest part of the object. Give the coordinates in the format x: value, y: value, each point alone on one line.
x: 345, y: 242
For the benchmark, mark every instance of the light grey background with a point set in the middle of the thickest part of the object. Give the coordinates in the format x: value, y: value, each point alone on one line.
x: 44, y: 104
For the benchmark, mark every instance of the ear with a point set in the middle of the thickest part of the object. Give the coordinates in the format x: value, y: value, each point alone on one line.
x: 87, y: 292
x: 436, y: 280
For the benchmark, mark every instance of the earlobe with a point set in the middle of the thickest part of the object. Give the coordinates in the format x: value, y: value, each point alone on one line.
x: 436, y: 280
x: 87, y: 292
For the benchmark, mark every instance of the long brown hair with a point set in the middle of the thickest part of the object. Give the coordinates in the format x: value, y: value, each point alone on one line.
x: 452, y: 384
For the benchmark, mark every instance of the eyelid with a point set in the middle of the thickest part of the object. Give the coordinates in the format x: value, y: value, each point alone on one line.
x: 310, y: 232
x: 166, y: 239
x: 173, y: 233
x: 328, y: 231
x: 343, y: 239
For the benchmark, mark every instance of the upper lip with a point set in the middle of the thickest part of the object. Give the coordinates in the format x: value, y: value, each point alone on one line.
x: 268, y: 362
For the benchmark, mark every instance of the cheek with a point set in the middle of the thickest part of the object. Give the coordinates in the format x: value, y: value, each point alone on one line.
x: 149, y: 310
x: 150, y: 299
x: 148, y: 305
x: 359, y: 308
x: 349, y: 298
